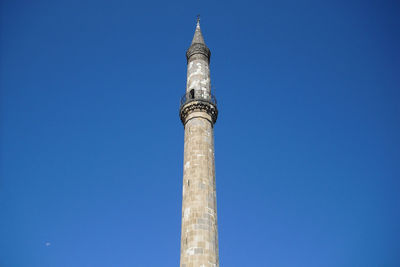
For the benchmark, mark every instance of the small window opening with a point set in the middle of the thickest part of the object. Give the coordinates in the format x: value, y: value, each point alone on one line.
x: 192, y: 94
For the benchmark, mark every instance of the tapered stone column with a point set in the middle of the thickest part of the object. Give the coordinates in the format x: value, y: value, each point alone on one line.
x: 198, y: 113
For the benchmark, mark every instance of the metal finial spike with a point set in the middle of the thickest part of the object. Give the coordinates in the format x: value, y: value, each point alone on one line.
x: 198, y: 37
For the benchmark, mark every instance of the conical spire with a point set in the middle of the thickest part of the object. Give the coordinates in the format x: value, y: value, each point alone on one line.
x: 198, y: 37
x: 198, y: 45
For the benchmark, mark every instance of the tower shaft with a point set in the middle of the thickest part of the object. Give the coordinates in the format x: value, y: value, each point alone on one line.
x: 199, y: 234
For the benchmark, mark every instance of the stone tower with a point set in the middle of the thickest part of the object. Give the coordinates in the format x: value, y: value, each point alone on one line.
x: 198, y: 113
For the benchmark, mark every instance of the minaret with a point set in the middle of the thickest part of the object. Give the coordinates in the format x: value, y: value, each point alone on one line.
x: 198, y: 113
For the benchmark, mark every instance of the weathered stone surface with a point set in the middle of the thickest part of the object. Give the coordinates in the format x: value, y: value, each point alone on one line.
x: 199, y: 233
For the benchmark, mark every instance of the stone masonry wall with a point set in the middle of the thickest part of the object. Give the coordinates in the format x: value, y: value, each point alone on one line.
x: 199, y: 237
x: 198, y: 76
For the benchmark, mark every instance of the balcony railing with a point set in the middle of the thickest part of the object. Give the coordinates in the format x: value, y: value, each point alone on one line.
x: 198, y: 96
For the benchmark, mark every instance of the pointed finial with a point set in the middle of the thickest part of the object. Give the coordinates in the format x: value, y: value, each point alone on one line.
x: 198, y: 37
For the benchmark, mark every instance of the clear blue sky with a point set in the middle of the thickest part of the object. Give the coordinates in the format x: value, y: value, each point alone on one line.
x: 307, y: 141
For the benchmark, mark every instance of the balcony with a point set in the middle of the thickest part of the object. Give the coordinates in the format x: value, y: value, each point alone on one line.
x: 199, y: 101
x: 198, y: 96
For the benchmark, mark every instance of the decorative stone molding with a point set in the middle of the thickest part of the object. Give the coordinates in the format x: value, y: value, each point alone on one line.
x: 196, y: 106
x: 198, y: 48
